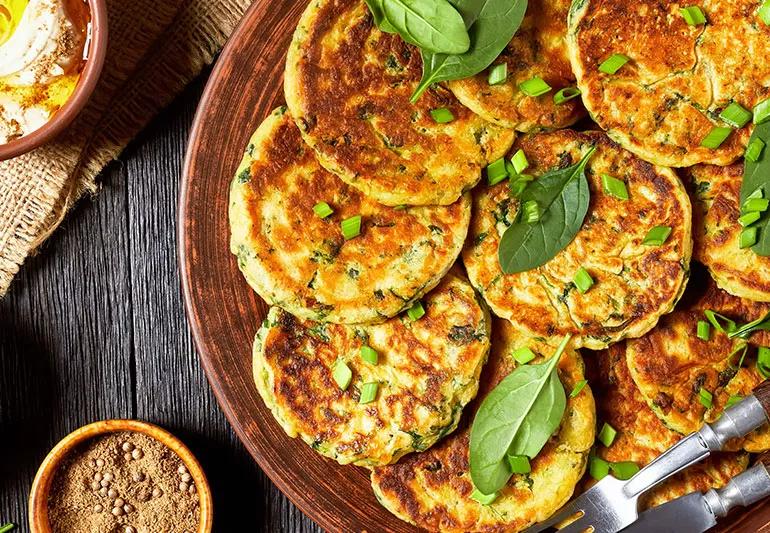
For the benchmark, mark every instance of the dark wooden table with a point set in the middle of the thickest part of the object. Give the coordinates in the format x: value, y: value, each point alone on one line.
x: 94, y: 328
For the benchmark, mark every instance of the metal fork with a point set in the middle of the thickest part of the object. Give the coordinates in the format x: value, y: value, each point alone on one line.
x: 611, y: 504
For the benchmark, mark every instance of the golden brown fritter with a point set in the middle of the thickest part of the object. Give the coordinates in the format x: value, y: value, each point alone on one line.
x: 641, y: 436
x: 427, y: 371
x: 666, y: 100
x: 671, y: 364
x: 537, y: 49
x: 348, y: 87
x: 716, y: 193
x: 433, y: 489
x: 301, y: 262
x: 634, y: 283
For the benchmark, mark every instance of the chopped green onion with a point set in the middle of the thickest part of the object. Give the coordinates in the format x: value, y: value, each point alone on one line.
x: 368, y: 392
x: 736, y: 115
x: 401, y: 207
x: 369, y: 355
x: 322, y: 209
x: 748, y: 238
x: 598, y: 468
x: 742, y: 346
x: 762, y: 112
x: 519, y: 464
x: 341, y: 374
x: 416, y: 312
x: 531, y: 211
x: 534, y: 87
x: 763, y: 361
x: 613, y: 63
x: 693, y: 15
x: 614, y: 187
x: 749, y: 218
x: 762, y: 323
x: 716, y: 137
x: 496, y: 172
x: 7, y: 527
x: 607, y: 435
x: 764, y: 12
x: 624, y: 470
x: 442, y: 115
x: 756, y: 205
x: 714, y: 318
x: 483, y: 499
x: 732, y: 400
x: 583, y: 280
x: 758, y: 193
x: 498, y: 74
x: 523, y: 355
x: 519, y: 161
x: 578, y: 388
x: 704, y: 330
x: 519, y: 183
x: 705, y: 397
x: 754, y: 150
x: 657, y: 236
x: 351, y: 227
x: 565, y: 95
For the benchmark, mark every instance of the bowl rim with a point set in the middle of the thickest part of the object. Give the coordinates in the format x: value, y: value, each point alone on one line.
x: 81, y: 95
x: 41, y: 486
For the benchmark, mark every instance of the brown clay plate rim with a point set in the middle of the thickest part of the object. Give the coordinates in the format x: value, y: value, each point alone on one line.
x: 218, y: 300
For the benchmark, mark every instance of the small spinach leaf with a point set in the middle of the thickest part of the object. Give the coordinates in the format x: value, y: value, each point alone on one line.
x: 491, y: 25
x: 433, y: 25
x: 518, y: 417
x: 378, y: 14
x: 563, y: 197
x: 756, y: 175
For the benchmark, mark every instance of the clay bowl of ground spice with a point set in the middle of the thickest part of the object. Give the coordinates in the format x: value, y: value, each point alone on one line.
x: 120, y: 476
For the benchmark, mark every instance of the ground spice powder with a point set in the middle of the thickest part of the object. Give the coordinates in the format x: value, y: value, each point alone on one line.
x: 123, y: 482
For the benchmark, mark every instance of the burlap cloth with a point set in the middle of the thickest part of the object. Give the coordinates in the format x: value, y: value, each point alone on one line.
x: 156, y: 47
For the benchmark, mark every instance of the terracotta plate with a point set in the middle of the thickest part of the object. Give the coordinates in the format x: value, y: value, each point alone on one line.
x: 224, y: 313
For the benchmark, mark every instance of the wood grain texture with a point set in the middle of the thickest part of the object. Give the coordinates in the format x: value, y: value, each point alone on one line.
x: 94, y: 328
x: 225, y: 313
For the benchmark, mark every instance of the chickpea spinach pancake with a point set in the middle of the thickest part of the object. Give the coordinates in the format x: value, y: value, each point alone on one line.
x: 689, y: 369
x: 348, y: 85
x: 434, y: 490
x: 537, y: 51
x: 304, y: 263
x: 370, y: 394
x: 633, y: 281
x: 674, y: 88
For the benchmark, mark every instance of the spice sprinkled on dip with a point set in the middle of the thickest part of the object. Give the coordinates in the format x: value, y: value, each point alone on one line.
x: 42, y: 44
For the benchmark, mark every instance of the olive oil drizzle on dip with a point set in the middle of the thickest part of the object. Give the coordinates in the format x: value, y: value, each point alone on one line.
x: 42, y: 54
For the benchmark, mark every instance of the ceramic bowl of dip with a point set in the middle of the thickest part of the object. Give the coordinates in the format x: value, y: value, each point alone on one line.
x: 51, y: 56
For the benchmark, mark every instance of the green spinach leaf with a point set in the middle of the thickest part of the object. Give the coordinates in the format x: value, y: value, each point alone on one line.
x: 378, y: 14
x: 433, y: 25
x: 756, y: 175
x: 491, y: 25
x: 517, y: 417
x: 563, y: 197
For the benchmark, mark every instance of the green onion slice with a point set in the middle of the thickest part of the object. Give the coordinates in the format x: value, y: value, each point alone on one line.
x: 598, y: 468
x: 715, y: 318
x: 693, y: 15
x: 657, y: 236
x: 716, y: 137
x: 534, y: 87
x: 416, y: 312
x: 342, y: 374
x: 369, y: 355
x: 351, y: 227
x: 705, y: 397
x: 758, y: 193
x: 740, y: 347
x: 624, y: 470
x: 613, y: 63
x: 519, y: 183
x: 523, y: 355
x: 749, y: 218
x: 496, y: 172
x: 764, y: 12
x: 565, y: 95
x: 754, y: 150
x: 756, y: 205
x: 734, y: 399
x: 483, y: 499
x: 578, y: 388
x: 442, y: 115
x: 368, y: 392
x: 736, y: 115
x: 519, y: 162
x: 530, y: 211
x: 704, y: 330
x: 519, y: 464
x: 763, y: 361
x: 762, y: 112
x: 498, y: 74
x: 322, y: 209
x: 748, y: 237
x: 614, y: 187
x: 583, y: 280
x: 607, y: 435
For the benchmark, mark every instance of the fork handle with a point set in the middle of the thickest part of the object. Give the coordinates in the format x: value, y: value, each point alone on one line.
x: 737, y: 421
x: 742, y: 490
